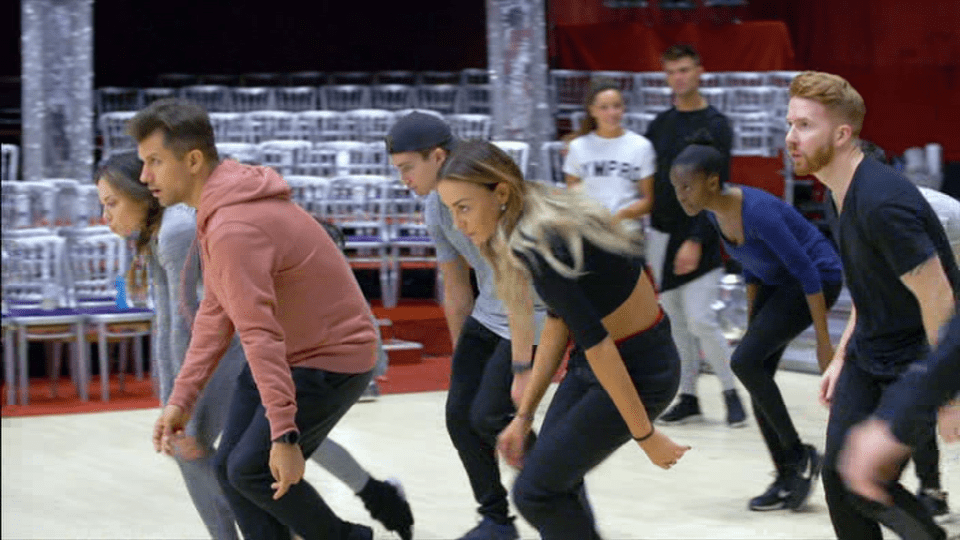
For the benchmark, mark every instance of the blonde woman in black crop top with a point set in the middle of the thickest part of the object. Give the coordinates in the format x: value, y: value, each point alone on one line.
x: 624, y: 369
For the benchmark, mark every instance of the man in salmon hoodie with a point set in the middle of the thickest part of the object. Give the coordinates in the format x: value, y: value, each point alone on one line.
x: 272, y: 275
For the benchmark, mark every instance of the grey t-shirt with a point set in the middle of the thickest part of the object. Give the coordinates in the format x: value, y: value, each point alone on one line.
x: 488, y: 310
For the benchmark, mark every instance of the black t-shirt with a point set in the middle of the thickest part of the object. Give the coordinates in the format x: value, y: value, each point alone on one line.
x: 670, y: 132
x: 886, y: 229
x: 582, y: 302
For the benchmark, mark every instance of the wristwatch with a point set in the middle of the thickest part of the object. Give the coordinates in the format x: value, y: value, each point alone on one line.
x: 290, y: 437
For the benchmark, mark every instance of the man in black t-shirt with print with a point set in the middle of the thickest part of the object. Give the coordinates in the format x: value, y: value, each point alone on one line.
x: 902, y: 278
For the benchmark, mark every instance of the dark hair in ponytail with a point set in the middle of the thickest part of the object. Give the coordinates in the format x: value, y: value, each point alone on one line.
x: 702, y: 156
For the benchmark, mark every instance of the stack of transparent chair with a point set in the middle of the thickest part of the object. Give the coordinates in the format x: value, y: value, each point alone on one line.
x: 651, y: 79
x: 741, y: 79
x: 29, y: 204
x: 475, y: 85
x: 718, y: 97
x: 11, y: 162
x: 238, y: 151
x: 38, y: 303
x: 519, y: 151
x: 369, y: 125
x: 637, y: 122
x: 655, y: 99
x: 149, y: 95
x: 731, y: 307
x: 347, y: 158
x: 568, y: 89
x: 309, y: 192
x: 95, y: 258
x: 89, y: 211
x: 285, y: 156
x: 358, y: 204
x: 113, y: 129
x: 112, y: 99
x: 752, y: 135
x: 344, y: 97
x: 551, y: 162
x: 246, y: 99
x: 212, y: 97
x: 395, y: 77
x: 393, y: 97
x: 751, y: 99
x: 443, y: 98
x: 270, y: 126
x: 295, y: 98
x: 319, y: 126
x: 403, y: 112
x: 471, y: 126
x: 229, y: 127
x: 410, y: 244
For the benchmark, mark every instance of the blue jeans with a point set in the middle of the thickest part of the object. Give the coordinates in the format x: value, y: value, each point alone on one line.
x: 780, y: 313
x: 583, y: 427
x: 242, y: 459
x: 478, y: 409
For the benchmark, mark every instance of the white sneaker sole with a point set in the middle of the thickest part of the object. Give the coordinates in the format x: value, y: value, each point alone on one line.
x: 693, y: 418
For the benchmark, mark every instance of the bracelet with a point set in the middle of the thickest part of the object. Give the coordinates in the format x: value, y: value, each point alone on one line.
x: 527, y: 417
x: 518, y: 367
x: 647, y: 436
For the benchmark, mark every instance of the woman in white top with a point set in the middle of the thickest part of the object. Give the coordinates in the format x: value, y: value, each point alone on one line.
x: 610, y: 163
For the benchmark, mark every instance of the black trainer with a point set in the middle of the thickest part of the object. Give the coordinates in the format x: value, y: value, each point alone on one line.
x: 736, y: 417
x: 387, y: 504
x: 774, y: 498
x: 934, y: 500
x: 684, y: 411
x: 803, y: 477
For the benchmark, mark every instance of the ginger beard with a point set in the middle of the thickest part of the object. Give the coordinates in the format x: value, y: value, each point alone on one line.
x: 806, y: 164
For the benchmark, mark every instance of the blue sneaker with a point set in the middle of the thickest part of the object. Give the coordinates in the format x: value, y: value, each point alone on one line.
x: 489, y: 529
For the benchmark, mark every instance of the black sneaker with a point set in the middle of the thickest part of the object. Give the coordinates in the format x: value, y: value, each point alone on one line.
x: 803, y: 477
x: 684, y: 411
x: 736, y: 417
x: 774, y: 498
x: 934, y: 500
x: 387, y: 504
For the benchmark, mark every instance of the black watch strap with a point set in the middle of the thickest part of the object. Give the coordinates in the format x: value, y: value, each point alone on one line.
x: 290, y: 437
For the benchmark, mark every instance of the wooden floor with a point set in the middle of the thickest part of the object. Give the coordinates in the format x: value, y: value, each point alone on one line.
x: 96, y: 476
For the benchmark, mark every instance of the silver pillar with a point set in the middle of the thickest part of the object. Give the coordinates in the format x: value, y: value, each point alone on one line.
x: 517, y: 60
x: 57, y: 82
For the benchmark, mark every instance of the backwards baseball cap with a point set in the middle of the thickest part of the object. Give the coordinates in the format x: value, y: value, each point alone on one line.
x: 418, y: 131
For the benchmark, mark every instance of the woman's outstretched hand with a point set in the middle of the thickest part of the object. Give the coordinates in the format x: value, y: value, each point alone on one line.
x: 662, y: 451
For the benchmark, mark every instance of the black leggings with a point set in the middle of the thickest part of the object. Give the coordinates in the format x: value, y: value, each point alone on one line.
x: 779, y: 314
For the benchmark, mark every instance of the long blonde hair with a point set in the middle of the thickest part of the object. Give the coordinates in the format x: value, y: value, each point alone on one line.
x: 534, y: 217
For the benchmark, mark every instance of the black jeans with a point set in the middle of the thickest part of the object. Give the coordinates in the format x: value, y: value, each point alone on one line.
x: 779, y: 314
x: 855, y: 396
x: 478, y: 409
x: 242, y: 459
x: 583, y: 427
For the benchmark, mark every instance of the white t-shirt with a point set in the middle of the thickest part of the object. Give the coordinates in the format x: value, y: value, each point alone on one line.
x: 609, y: 169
